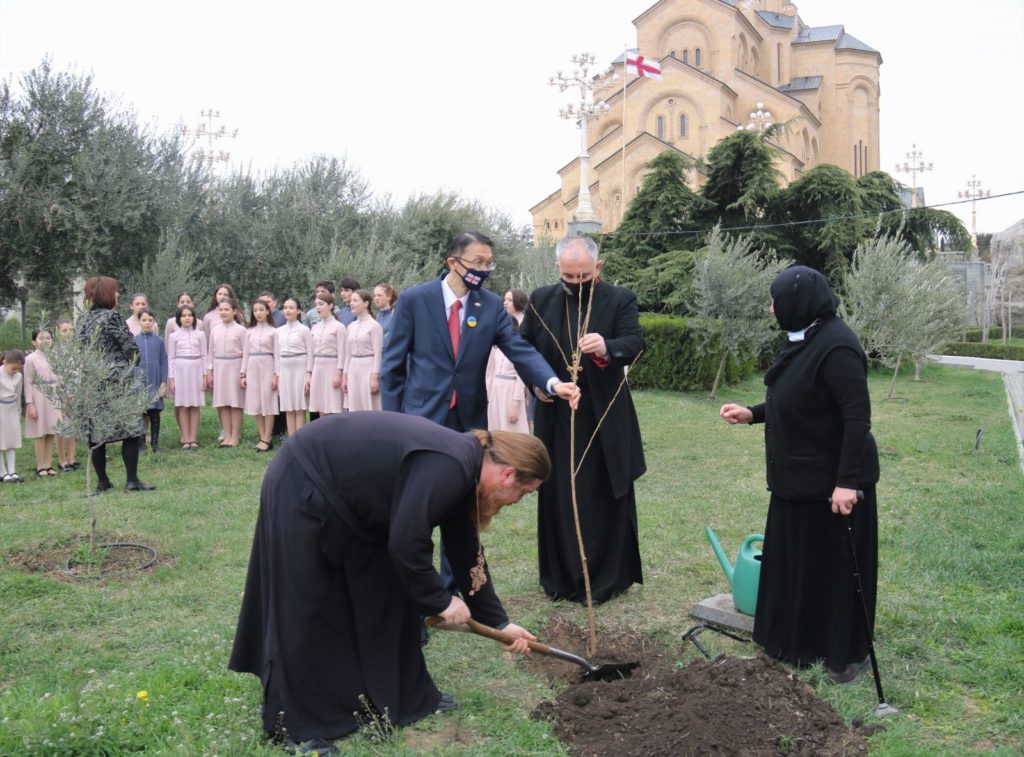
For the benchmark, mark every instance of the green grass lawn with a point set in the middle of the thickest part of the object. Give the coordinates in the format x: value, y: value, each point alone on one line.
x: 950, y: 631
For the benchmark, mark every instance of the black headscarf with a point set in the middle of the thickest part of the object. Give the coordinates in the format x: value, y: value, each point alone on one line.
x: 801, y: 296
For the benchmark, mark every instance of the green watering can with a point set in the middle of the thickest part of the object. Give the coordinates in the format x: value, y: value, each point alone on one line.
x: 747, y: 573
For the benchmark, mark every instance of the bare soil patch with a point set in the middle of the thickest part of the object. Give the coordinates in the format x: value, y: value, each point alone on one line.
x: 124, y: 559
x: 728, y: 705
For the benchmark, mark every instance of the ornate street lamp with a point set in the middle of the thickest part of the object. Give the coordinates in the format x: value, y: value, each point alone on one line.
x: 585, y: 219
x: 760, y: 120
x: 973, y: 193
x: 914, y: 164
x: 205, y: 129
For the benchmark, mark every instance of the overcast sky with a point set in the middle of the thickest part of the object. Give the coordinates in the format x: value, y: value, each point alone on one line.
x: 452, y: 94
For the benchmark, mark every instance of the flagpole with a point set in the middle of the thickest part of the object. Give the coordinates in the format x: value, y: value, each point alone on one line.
x: 625, y: 75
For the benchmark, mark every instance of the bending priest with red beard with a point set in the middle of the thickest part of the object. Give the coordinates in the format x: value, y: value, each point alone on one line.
x: 341, y: 570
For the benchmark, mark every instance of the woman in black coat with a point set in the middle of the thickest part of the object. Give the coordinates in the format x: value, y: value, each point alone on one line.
x: 818, y: 444
x: 105, y: 328
x: 342, y: 572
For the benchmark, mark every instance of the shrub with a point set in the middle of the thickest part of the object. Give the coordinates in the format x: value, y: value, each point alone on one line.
x: 994, y: 350
x: 675, y: 360
x: 995, y: 332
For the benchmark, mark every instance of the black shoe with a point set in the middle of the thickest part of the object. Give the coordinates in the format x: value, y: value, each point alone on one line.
x: 851, y: 672
x: 318, y: 746
x: 155, y: 449
x: 103, y: 486
x: 447, y: 704
x: 138, y: 486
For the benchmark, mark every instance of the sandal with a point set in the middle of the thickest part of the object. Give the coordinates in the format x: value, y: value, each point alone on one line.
x: 267, y: 446
x: 186, y: 445
x: 13, y: 478
x: 41, y: 473
x: 51, y: 472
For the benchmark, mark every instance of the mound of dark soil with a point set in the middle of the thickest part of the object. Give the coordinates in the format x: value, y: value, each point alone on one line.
x: 728, y: 705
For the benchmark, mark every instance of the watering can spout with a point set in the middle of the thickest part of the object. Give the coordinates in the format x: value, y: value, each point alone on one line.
x: 720, y: 554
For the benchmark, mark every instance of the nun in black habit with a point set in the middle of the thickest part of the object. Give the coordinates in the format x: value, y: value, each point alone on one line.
x: 341, y: 570
x: 818, y: 445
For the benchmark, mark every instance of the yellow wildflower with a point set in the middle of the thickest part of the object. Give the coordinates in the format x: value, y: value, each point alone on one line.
x: 142, y: 696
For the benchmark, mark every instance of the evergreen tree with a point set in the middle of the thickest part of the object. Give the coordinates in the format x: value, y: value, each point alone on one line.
x: 652, y: 251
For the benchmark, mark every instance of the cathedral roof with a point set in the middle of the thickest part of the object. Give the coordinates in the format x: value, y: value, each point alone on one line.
x: 810, y: 34
x: 801, y: 83
x: 777, y: 20
x: 849, y: 42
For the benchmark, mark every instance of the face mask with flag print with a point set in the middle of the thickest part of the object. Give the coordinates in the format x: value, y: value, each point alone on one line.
x: 475, y: 279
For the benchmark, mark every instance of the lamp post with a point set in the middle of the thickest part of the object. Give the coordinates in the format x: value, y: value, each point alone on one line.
x: 584, y: 220
x: 760, y: 120
x: 914, y: 164
x: 973, y: 193
x: 205, y: 129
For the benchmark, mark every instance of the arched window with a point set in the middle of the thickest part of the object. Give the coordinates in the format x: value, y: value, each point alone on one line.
x: 661, y: 127
x: 686, y: 57
x: 682, y: 124
x: 671, y: 53
x: 696, y: 57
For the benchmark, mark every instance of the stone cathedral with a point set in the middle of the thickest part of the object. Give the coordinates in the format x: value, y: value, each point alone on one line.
x: 719, y: 59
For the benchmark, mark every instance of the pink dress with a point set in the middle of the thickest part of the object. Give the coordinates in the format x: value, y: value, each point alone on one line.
x: 363, y: 350
x: 293, y: 356
x: 186, y: 363
x: 504, y: 387
x: 258, y: 367
x: 211, y: 319
x: 327, y: 340
x: 10, y: 409
x: 169, y: 328
x: 224, y: 358
x: 37, y: 368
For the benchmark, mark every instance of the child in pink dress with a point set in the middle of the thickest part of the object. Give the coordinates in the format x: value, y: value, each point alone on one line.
x: 186, y: 380
x: 363, y: 349
x: 10, y: 414
x: 327, y: 339
x: 224, y: 371
x: 258, y: 378
x: 40, y: 414
x: 293, y: 363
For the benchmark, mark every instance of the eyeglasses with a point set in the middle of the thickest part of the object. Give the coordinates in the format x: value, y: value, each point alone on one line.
x: 479, y: 264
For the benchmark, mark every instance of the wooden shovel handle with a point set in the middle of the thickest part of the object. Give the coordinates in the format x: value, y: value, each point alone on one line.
x: 493, y: 633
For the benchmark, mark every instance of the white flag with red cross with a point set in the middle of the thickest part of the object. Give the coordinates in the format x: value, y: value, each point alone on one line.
x: 641, y: 66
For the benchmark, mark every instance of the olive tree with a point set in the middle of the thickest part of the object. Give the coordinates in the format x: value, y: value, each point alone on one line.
x: 97, y: 400
x: 731, y: 292
x: 898, y: 307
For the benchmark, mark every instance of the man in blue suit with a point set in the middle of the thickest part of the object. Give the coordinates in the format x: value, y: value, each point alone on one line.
x: 423, y: 374
x: 435, y: 361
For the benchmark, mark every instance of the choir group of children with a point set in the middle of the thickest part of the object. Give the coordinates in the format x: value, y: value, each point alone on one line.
x: 268, y: 364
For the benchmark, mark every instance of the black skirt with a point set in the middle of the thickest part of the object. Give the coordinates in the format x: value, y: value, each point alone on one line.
x: 807, y: 603
x: 608, y: 523
x: 325, y: 619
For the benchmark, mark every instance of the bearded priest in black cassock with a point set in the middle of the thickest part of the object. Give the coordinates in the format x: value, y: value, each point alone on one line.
x: 604, y: 484
x: 341, y: 570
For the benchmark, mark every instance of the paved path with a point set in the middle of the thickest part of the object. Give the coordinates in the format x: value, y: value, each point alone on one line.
x: 1013, y: 379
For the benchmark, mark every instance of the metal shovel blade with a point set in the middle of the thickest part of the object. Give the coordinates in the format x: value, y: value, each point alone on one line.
x: 609, y: 671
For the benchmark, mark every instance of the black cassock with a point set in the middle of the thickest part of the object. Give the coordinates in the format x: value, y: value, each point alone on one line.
x: 604, y: 484
x: 341, y: 569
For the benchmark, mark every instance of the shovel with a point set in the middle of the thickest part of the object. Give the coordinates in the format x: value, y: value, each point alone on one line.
x: 608, y: 671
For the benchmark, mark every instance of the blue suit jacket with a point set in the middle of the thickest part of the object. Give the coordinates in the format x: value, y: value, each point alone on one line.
x: 419, y: 371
